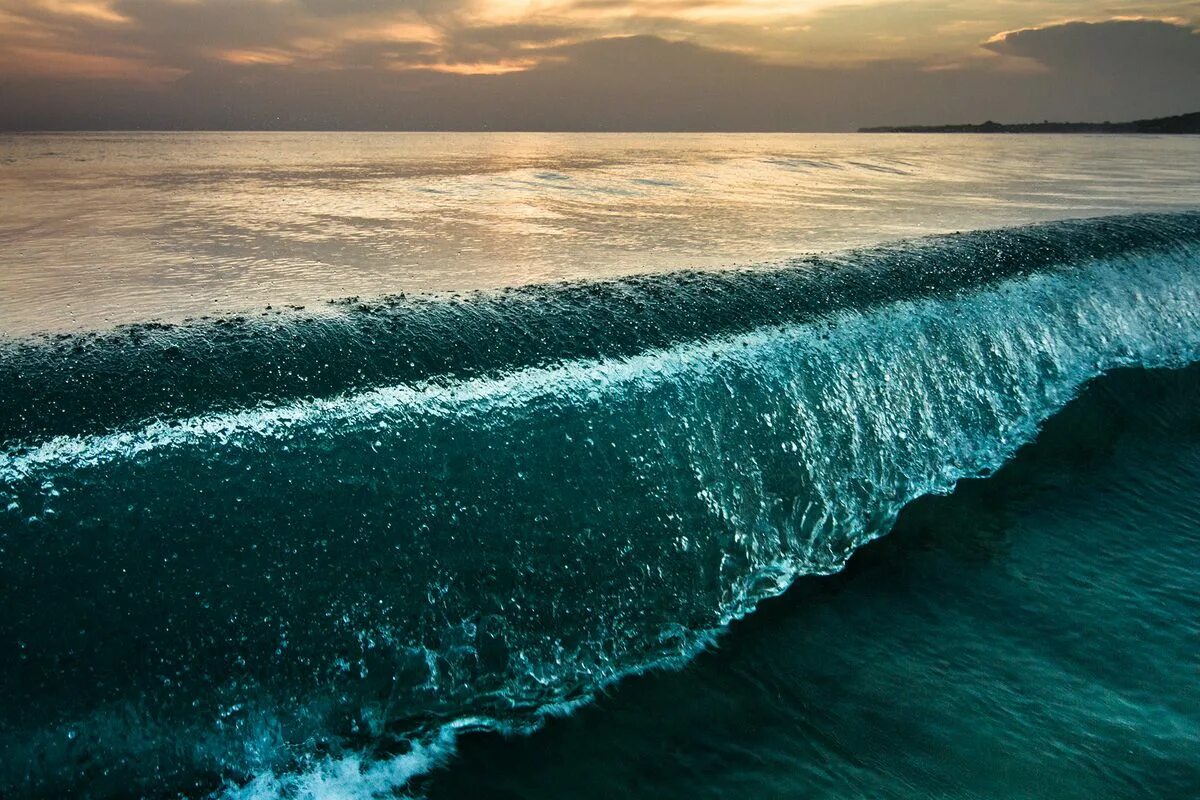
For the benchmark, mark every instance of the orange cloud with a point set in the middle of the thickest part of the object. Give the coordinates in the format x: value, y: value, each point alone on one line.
x: 43, y: 62
x: 151, y: 40
x: 95, y: 10
x: 276, y: 57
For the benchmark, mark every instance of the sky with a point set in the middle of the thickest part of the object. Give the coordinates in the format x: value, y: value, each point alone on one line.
x: 590, y: 64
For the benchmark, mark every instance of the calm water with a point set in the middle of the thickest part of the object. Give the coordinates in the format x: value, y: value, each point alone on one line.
x: 916, y: 519
x: 102, y: 229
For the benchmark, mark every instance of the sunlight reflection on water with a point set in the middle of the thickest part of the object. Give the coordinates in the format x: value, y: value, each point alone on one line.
x: 103, y: 229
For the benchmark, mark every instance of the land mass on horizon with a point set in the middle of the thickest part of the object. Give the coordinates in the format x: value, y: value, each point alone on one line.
x: 1181, y: 123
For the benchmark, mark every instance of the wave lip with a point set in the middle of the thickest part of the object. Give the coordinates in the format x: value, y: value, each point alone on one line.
x: 79, y: 383
x: 324, y: 578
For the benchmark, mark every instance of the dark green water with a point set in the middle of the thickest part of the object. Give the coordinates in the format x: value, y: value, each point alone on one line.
x: 1035, y: 634
x: 316, y: 556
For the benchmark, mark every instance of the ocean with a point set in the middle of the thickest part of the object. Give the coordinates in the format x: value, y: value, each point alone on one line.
x: 563, y: 465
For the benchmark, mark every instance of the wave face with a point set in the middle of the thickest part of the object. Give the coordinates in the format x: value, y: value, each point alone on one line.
x: 272, y: 556
x: 1020, y: 637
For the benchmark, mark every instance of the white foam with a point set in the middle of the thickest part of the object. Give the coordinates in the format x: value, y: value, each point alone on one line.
x: 350, y: 777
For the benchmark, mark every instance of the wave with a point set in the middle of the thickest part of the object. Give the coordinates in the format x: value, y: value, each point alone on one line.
x: 1017, y: 610
x: 280, y: 554
x: 79, y: 383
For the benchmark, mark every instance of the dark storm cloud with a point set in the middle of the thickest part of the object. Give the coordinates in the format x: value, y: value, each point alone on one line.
x: 1117, y: 69
x: 1123, y: 46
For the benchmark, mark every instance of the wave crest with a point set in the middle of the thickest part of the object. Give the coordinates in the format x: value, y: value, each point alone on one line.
x: 333, y: 578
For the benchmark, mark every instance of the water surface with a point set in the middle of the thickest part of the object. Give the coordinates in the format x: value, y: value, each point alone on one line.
x: 536, y: 540
x: 102, y: 229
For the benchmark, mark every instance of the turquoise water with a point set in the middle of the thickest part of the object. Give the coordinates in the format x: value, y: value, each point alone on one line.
x: 1031, y: 635
x: 348, y: 553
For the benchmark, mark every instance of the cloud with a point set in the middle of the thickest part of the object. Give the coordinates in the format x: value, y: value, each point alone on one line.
x: 628, y: 83
x: 190, y: 34
x: 580, y: 64
x: 374, y: 8
x: 388, y: 54
x: 497, y: 44
x: 107, y: 36
x: 1153, y: 63
x: 1149, y: 47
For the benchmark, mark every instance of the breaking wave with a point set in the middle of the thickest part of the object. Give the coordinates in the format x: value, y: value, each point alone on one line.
x: 292, y: 555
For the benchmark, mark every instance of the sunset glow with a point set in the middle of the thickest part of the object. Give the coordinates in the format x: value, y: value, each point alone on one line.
x: 574, y: 44
x: 480, y: 37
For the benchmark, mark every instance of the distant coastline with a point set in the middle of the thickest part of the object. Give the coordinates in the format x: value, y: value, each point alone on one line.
x: 1181, y: 123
